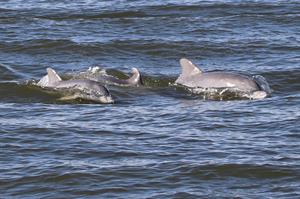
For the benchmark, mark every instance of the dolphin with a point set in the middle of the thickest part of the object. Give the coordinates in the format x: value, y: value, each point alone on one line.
x: 193, y: 77
x: 89, y: 89
x: 133, y: 81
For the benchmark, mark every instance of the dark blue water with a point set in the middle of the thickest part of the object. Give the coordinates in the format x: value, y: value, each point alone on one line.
x: 156, y: 141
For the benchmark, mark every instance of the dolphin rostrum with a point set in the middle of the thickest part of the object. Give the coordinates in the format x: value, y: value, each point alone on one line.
x: 89, y: 89
x: 193, y: 77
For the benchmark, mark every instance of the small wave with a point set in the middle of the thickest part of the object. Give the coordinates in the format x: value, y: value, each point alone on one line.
x: 237, y: 170
x: 36, y: 44
x: 5, y: 10
x: 284, y: 81
x: 60, y: 46
x: 9, y: 73
x: 13, y: 91
x: 93, y: 15
x: 146, y: 46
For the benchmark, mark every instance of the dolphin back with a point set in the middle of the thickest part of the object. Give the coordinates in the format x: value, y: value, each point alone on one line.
x: 135, y: 79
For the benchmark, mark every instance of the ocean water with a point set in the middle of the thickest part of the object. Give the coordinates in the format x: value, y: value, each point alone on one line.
x: 157, y: 140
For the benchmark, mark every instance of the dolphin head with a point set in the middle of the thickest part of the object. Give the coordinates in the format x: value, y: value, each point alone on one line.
x: 105, y: 97
x: 98, y: 93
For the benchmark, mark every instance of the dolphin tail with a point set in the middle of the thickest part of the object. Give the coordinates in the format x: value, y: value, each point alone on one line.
x: 135, y: 79
x: 187, y: 69
x: 53, y: 77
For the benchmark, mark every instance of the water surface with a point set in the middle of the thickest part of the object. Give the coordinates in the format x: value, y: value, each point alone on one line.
x: 156, y: 141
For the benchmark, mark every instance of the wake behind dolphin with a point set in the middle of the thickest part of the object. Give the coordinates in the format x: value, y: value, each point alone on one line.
x: 79, y: 89
x: 198, y: 81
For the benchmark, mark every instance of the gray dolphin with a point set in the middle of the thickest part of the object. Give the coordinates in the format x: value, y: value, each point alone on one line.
x: 134, y: 80
x: 89, y: 89
x: 193, y: 77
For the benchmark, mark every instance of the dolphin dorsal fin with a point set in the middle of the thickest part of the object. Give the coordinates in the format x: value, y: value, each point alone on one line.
x: 188, y: 68
x: 135, y: 79
x: 53, y: 77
